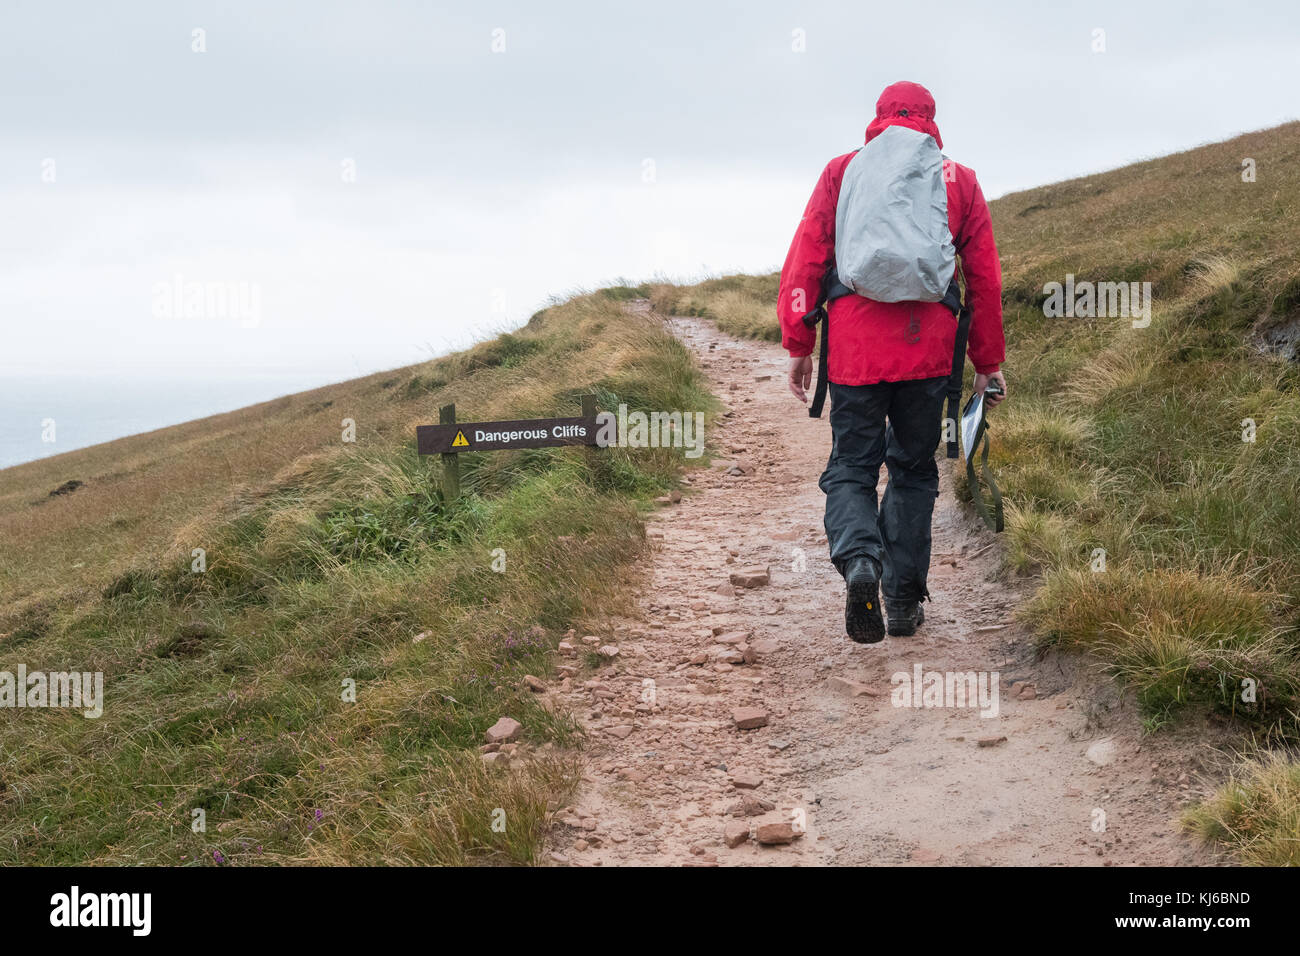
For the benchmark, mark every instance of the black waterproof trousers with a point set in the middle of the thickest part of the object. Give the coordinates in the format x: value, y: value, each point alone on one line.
x: 897, y: 535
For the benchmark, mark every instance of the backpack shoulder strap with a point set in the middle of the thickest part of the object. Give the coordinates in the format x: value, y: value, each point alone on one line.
x: 962, y: 313
x: 818, y: 317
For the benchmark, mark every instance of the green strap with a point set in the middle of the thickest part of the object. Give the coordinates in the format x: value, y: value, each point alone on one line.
x: 994, y: 520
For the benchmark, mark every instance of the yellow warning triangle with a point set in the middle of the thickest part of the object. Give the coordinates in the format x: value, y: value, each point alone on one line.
x: 460, y: 441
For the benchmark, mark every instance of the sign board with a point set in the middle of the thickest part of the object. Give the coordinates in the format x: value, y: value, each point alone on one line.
x: 500, y: 436
x: 449, y: 438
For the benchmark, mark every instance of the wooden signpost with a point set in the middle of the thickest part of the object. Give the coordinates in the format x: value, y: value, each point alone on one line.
x: 449, y: 438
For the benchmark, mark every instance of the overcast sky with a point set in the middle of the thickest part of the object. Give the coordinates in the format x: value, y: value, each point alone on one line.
x: 596, y: 141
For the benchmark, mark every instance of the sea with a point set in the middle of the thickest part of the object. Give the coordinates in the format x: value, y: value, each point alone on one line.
x: 50, y: 414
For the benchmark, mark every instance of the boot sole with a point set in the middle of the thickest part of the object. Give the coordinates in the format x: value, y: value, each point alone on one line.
x: 862, y: 617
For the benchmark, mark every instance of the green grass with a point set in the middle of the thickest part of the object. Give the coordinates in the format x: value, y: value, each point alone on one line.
x: 741, y: 305
x: 1257, y: 813
x: 335, y: 566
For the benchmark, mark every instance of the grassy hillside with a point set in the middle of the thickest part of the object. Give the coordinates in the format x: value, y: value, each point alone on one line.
x: 326, y: 562
x: 1131, y: 439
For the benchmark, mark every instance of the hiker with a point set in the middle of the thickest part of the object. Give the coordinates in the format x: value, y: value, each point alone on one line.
x: 879, y: 240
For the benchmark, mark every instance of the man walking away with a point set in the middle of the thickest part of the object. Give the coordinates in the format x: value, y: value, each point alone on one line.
x: 882, y: 231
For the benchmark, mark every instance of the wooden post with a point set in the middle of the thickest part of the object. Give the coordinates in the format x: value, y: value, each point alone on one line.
x: 589, y: 413
x: 450, y: 460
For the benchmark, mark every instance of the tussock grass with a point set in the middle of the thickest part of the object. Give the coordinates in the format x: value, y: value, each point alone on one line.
x: 1037, y: 538
x: 1176, y: 637
x: 328, y: 565
x: 1117, y: 369
x: 1256, y: 813
x: 741, y: 305
x: 1214, y: 273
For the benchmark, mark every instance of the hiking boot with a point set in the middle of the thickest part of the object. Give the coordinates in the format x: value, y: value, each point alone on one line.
x: 862, y: 617
x: 904, y: 617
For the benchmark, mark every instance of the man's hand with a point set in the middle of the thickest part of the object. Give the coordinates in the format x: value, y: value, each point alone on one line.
x: 800, y: 377
x: 982, y: 381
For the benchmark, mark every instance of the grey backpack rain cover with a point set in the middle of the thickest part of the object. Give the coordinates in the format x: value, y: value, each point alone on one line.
x: 892, y: 242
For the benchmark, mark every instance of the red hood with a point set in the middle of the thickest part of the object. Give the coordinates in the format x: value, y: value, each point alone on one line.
x: 905, y: 104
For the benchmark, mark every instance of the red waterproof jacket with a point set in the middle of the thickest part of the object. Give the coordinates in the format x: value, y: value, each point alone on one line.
x: 872, y: 341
